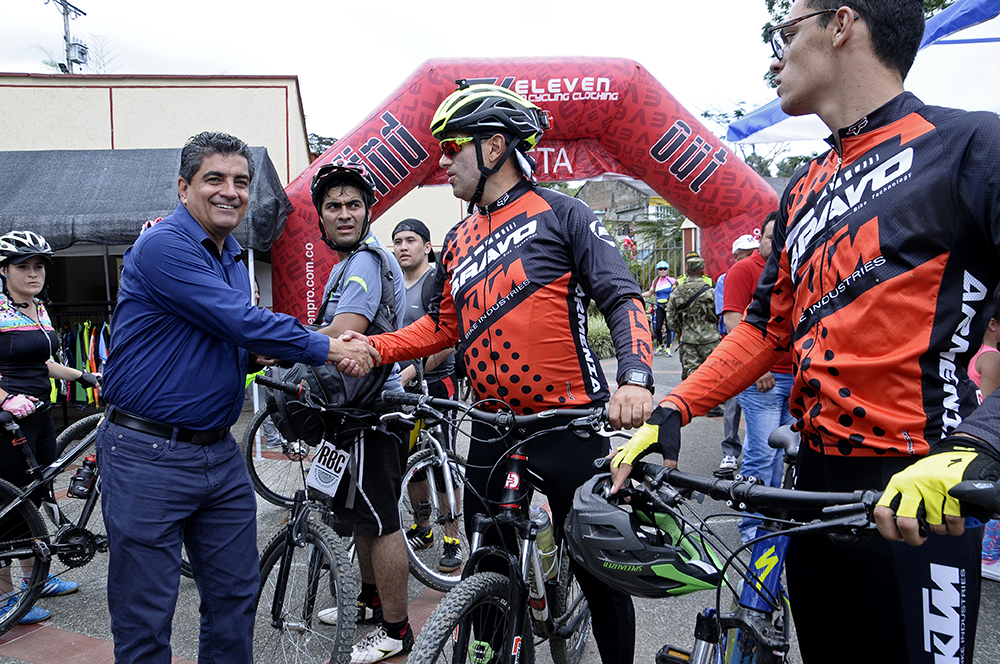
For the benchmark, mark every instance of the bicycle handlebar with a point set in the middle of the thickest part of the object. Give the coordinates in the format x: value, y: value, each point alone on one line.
x: 588, y: 417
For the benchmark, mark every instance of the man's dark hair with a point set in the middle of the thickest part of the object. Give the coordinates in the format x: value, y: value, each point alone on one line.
x: 896, y: 27
x: 206, y: 144
x: 768, y: 219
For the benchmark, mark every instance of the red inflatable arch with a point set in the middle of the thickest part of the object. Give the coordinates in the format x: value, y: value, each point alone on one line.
x: 610, y: 116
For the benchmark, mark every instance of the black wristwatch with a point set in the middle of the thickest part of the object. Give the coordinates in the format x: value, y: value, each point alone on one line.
x: 637, y: 377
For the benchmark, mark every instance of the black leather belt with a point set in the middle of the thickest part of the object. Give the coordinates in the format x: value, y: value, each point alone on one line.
x: 154, y: 428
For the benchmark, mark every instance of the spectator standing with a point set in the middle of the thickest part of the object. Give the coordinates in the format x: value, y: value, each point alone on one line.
x: 691, y: 313
x: 28, y: 345
x: 662, y: 286
x: 411, y: 244
x: 765, y: 403
x: 984, y: 370
x: 732, y: 447
x: 171, y: 471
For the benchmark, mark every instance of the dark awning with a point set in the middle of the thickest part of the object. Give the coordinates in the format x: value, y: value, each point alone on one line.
x: 104, y: 196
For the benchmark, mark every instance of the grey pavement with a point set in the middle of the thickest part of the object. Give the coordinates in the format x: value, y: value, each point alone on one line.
x: 658, y: 621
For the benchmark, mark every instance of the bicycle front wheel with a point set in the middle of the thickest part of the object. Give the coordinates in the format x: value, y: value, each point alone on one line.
x: 424, y: 496
x: 23, y: 568
x: 287, y: 627
x: 278, y: 466
x: 572, y: 613
x: 471, y: 623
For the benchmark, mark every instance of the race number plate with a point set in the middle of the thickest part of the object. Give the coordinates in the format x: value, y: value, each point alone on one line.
x: 328, y: 467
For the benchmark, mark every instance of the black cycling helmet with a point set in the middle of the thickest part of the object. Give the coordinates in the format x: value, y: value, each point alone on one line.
x: 343, y: 172
x: 643, y: 553
x: 482, y: 110
x: 18, y: 246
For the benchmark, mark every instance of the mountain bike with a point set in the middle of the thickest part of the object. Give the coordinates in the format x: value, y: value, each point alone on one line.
x: 304, y: 570
x: 27, y: 550
x: 755, y: 627
x: 488, y: 614
x: 432, y: 497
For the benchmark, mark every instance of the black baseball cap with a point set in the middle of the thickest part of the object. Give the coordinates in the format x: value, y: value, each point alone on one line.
x: 418, y: 227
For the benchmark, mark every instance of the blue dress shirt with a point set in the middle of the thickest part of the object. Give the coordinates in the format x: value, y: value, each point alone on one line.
x: 182, y: 327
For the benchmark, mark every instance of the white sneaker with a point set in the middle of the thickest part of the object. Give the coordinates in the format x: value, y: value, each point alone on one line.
x: 378, y: 645
x: 728, y: 463
x: 991, y: 571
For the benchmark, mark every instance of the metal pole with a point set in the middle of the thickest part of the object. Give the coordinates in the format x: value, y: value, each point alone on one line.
x: 65, y: 13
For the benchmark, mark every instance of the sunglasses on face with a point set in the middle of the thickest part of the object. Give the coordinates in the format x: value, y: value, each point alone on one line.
x: 451, y: 146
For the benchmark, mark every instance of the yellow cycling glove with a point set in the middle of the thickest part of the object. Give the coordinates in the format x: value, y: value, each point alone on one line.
x: 921, y: 490
x: 661, y: 433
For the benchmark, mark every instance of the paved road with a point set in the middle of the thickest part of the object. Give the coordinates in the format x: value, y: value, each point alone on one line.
x: 80, y: 631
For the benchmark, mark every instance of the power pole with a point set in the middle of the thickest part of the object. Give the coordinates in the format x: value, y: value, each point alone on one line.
x: 76, y: 53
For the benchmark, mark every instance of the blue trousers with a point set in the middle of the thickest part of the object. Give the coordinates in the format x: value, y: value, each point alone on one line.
x: 160, y: 493
x: 764, y: 412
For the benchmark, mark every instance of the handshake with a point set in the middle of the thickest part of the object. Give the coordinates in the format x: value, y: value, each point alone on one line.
x: 352, y: 354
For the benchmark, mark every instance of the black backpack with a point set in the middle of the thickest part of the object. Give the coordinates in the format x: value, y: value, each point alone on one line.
x: 297, y: 420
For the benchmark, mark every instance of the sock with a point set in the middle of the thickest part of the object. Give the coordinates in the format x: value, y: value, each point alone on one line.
x: 396, y: 630
x: 369, y: 594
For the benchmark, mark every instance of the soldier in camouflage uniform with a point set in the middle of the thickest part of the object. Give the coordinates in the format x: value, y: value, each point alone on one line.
x: 691, y: 312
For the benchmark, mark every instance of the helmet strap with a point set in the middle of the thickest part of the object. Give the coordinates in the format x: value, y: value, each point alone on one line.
x: 487, y: 172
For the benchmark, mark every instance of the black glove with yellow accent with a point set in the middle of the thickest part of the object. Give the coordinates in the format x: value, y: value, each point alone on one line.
x: 661, y: 433
x: 921, y: 490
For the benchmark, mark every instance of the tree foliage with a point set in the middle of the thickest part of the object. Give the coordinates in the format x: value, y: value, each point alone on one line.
x: 320, y: 144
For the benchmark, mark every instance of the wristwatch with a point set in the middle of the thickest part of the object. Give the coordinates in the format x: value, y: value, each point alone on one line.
x: 637, y: 377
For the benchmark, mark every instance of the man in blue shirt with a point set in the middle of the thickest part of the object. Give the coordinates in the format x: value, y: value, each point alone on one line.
x: 171, y: 471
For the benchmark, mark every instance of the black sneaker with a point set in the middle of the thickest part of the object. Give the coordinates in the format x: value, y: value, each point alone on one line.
x: 451, y: 558
x: 420, y: 537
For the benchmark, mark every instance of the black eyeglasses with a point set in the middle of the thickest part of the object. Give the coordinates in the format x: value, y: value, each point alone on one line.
x: 778, y: 39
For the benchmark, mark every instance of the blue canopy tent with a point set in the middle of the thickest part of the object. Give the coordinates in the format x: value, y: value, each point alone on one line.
x: 958, y: 65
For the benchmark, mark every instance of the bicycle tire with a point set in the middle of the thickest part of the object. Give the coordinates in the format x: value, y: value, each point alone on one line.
x: 481, y: 598
x: 75, y: 432
x: 569, y: 650
x: 320, y: 575
x: 424, y: 563
x: 21, y: 529
x: 276, y: 473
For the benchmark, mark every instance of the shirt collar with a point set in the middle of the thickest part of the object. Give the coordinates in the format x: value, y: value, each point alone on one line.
x: 231, y: 247
x: 511, y: 195
x: 896, y: 108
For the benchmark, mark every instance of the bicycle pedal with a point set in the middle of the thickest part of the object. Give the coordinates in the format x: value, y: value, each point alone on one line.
x: 669, y: 654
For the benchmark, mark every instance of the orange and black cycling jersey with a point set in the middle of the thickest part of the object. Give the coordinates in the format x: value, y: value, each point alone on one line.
x: 882, y: 266
x: 513, y: 293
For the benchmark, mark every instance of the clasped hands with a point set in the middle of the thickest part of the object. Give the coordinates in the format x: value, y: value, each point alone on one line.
x: 352, y: 354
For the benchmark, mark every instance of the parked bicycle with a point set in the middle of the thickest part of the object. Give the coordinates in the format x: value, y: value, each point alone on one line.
x: 27, y: 550
x: 430, y: 505
x: 488, y: 614
x: 304, y: 570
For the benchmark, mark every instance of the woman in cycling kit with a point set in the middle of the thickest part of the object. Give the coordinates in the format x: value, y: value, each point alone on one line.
x: 25, y: 368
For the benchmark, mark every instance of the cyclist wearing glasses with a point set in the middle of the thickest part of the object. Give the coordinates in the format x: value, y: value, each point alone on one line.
x: 513, y: 290
x: 884, y: 261
x: 171, y: 471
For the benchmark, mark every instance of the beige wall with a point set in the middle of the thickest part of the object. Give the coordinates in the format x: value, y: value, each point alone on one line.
x: 57, y: 112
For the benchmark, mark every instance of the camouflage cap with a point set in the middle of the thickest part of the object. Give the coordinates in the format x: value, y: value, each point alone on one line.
x: 696, y: 263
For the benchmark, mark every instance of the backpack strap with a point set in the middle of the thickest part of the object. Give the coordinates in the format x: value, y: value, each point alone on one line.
x: 385, y: 315
x: 427, y: 289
